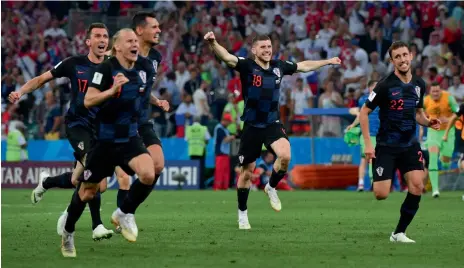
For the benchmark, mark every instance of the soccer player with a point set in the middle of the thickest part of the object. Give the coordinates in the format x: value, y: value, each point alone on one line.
x: 261, y: 79
x: 458, y: 115
x: 117, y: 87
x: 79, y: 119
x: 374, y: 124
x: 399, y: 97
x: 147, y: 29
x: 441, y: 105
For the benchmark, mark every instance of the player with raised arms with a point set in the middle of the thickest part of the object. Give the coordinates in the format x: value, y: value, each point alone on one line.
x: 118, y: 88
x: 261, y: 79
x: 147, y: 29
x: 79, y: 120
x: 399, y: 97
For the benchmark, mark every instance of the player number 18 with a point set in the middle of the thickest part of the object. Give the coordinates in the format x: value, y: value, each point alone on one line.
x: 257, y: 80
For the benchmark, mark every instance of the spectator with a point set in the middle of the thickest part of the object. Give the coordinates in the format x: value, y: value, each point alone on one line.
x: 194, y: 82
x: 379, y: 44
x: 184, y: 115
x: 359, y: 54
x: 403, y: 23
x: 297, y: 21
x: 326, y: 33
x: 457, y: 89
x: 301, y: 98
x: 357, y: 20
x: 200, y: 99
x: 169, y: 82
x: 220, y: 92
x: 434, y: 46
x: 55, y: 31
x: 330, y: 125
x: 333, y: 50
x: 182, y: 76
x: 53, y: 119
x: 376, y: 65
x: 353, y: 75
x: 222, y: 139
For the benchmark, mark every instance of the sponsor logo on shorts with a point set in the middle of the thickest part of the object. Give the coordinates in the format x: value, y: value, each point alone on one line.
x: 81, y: 145
x: 241, y: 158
x: 379, y: 171
x: 87, y: 174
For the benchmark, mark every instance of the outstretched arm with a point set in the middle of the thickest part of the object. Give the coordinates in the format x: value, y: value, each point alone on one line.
x: 31, y: 85
x: 311, y: 65
x: 220, y: 51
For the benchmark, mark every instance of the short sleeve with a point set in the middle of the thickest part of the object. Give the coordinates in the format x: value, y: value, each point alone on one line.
x: 376, y: 96
x: 288, y: 67
x: 63, y: 69
x: 420, y: 104
x: 242, y: 64
x: 102, y: 78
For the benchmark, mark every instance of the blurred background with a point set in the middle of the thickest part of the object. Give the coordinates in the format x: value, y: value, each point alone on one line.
x: 38, y: 35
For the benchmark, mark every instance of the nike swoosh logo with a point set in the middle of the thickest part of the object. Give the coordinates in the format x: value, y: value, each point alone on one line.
x: 79, y: 72
x: 395, y: 93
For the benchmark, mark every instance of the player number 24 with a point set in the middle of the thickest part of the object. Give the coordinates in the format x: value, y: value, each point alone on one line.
x: 396, y: 105
x: 257, y: 80
x: 82, y: 83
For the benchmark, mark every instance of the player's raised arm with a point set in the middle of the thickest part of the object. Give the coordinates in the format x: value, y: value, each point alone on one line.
x: 311, y: 65
x: 31, y: 85
x: 99, y: 90
x: 220, y: 51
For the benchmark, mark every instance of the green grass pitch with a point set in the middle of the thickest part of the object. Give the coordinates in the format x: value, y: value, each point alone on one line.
x: 199, y: 229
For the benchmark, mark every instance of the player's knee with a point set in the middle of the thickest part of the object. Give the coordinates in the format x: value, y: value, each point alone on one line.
x: 247, y: 175
x: 103, y: 187
x: 87, y: 194
x: 147, y: 176
x: 159, y: 166
x: 285, y: 160
x: 123, y: 181
x: 380, y: 195
x: 416, y: 187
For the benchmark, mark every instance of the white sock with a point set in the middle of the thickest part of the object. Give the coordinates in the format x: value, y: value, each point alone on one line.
x: 360, y: 182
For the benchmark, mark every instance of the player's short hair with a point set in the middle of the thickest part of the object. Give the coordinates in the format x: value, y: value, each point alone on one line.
x: 139, y: 19
x: 260, y: 38
x: 396, y: 45
x: 95, y: 25
x: 435, y: 83
x: 116, y: 37
x: 372, y: 82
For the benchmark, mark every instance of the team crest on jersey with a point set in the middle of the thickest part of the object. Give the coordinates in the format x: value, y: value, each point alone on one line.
x: 87, y: 174
x: 143, y: 76
x: 379, y: 171
x: 276, y: 71
x: 81, y: 145
x: 418, y: 91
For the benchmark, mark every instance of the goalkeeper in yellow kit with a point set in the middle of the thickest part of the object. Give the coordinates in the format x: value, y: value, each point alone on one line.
x: 439, y: 105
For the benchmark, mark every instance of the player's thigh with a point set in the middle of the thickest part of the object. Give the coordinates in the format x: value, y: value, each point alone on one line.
x: 383, y: 165
x: 276, y: 140
x: 411, y: 159
x: 153, y: 144
x: 81, y: 140
x: 103, y: 185
x: 251, y: 142
x: 138, y: 160
x: 99, y: 163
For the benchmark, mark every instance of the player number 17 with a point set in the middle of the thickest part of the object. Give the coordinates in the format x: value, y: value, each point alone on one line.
x: 82, y: 83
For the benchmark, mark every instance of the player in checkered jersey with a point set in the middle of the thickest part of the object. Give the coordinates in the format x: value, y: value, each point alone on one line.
x: 261, y: 78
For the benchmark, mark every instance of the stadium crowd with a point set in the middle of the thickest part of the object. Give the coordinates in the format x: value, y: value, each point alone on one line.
x: 34, y: 39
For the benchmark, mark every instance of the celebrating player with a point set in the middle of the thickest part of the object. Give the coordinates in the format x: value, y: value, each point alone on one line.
x: 118, y: 87
x: 79, y: 119
x: 399, y: 97
x: 374, y: 123
x: 261, y: 79
x: 441, y: 105
x: 147, y: 29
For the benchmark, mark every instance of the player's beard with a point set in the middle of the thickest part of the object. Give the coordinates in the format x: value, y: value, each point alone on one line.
x: 404, y: 72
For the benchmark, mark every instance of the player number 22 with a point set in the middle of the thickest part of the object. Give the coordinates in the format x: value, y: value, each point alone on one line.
x: 396, y: 105
x: 421, y: 157
x: 82, y: 85
x: 257, y: 80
